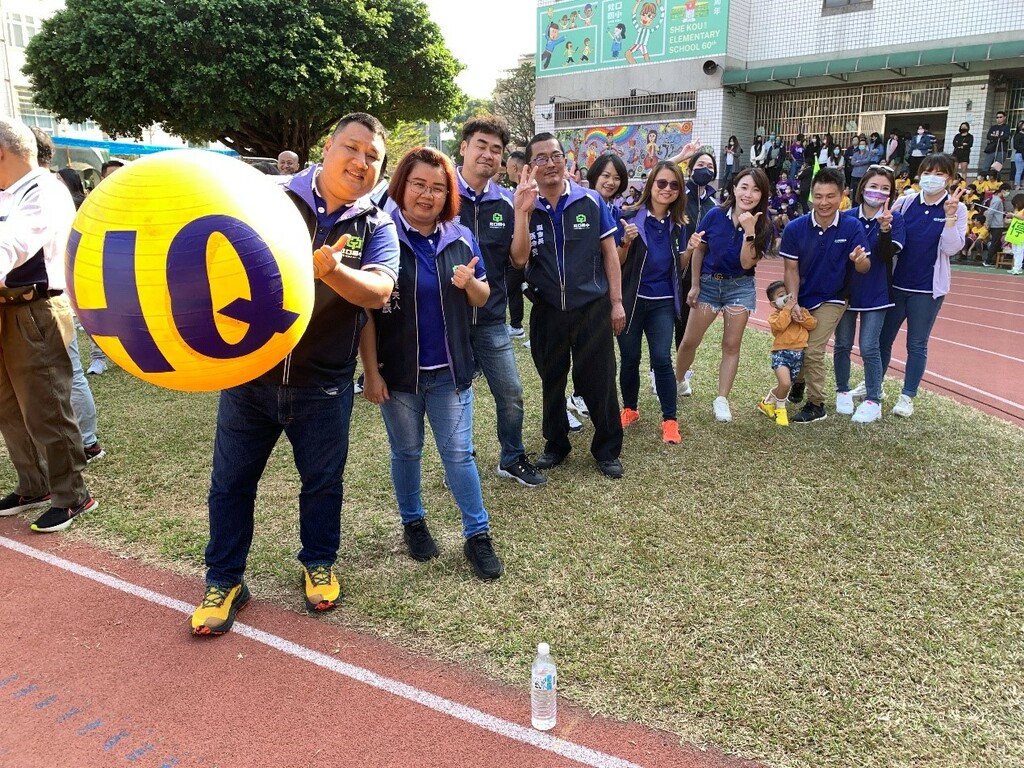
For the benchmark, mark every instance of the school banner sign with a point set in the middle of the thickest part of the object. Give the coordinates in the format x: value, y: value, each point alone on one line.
x: 575, y: 36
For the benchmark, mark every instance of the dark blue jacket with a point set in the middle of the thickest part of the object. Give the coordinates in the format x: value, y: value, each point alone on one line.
x: 581, y: 278
x: 326, y: 354
x: 398, y: 351
x: 633, y: 266
x: 491, y: 219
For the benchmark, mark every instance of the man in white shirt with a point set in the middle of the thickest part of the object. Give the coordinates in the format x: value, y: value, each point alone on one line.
x: 36, y: 419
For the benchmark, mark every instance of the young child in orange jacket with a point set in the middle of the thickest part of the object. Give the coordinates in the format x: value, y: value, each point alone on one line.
x: 787, y: 351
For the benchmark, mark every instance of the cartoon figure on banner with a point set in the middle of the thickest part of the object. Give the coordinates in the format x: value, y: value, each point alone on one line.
x: 586, y: 50
x: 555, y: 38
x: 568, y: 54
x: 651, y: 151
x: 646, y: 24
x: 588, y: 15
x: 691, y: 10
x: 617, y: 34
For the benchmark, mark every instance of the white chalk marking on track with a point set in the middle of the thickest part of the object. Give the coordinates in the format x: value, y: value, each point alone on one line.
x: 567, y: 749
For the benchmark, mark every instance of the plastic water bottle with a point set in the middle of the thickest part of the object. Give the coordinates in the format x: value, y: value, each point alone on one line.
x: 544, y: 691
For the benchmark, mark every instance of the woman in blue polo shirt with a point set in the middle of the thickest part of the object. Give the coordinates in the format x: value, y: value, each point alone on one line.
x: 936, y: 226
x: 870, y: 294
x: 650, y: 293
x: 418, y: 358
x: 724, y: 250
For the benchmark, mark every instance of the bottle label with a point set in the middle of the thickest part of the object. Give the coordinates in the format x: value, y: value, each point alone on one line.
x: 544, y: 682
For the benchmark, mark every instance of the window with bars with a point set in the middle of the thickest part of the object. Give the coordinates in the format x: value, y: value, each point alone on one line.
x: 20, y: 29
x: 682, y: 104
x: 31, y: 114
x: 838, y: 110
x: 829, y: 7
x: 1014, y: 102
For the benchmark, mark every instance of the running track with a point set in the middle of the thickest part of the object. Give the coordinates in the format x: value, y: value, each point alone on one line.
x: 97, y: 670
x: 976, y: 351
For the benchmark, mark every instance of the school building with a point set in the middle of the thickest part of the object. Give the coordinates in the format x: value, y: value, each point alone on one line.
x: 644, y: 76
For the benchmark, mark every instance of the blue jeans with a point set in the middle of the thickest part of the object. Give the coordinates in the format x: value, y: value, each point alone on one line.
x: 919, y: 310
x: 654, y: 318
x: 495, y: 358
x: 82, y: 402
x: 250, y: 419
x: 1018, y: 168
x: 870, y: 329
x: 451, y: 420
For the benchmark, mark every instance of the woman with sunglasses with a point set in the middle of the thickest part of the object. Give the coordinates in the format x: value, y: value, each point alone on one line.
x: 870, y: 294
x: 650, y: 293
x: 936, y: 224
x: 418, y: 358
x: 724, y: 250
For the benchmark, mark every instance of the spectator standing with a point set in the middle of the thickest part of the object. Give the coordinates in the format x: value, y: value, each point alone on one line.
x: 730, y: 161
x: 995, y: 220
x: 962, y: 143
x: 514, y: 277
x: 859, y: 162
x: 998, y: 138
x: 919, y: 147
x: 1017, y: 144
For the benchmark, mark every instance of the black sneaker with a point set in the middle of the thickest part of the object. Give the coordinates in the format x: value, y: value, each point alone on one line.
x: 523, y: 472
x: 420, y: 542
x: 480, y: 552
x: 12, y: 503
x: 810, y: 412
x: 93, y: 453
x: 611, y: 468
x: 547, y: 460
x: 796, y: 392
x: 58, y: 518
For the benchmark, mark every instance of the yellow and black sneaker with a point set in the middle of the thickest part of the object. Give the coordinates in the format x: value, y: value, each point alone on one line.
x: 216, y: 613
x: 323, y: 592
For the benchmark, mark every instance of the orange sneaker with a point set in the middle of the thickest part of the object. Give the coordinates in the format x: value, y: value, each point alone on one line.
x: 629, y: 416
x: 670, y: 431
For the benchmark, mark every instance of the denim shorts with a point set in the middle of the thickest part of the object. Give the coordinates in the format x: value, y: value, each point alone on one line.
x: 738, y: 292
x: 788, y: 358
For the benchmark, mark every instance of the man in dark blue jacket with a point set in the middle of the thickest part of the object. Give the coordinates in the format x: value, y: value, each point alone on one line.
x: 488, y: 213
x: 564, y: 237
x: 308, y: 396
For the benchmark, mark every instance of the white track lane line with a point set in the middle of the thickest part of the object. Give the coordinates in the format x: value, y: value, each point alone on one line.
x: 567, y: 749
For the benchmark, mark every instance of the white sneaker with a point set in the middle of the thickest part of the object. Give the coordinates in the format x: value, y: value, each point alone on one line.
x: 721, y: 407
x: 859, y: 392
x: 867, y: 412
x: 683, y: 388
x: 578, y: 404
x: 515, y: 333
x: 654, y: 384
x: 526, y: 345
x: 904, y: 407
x: 844, y: 403
x: 97, y: 367
x: 574, y: 423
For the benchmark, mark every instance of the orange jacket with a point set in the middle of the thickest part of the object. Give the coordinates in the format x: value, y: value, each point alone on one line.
x: 790, y: 334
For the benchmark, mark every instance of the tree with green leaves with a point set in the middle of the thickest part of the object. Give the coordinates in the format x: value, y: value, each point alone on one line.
x: 514, y: 98
x: 260, y: 76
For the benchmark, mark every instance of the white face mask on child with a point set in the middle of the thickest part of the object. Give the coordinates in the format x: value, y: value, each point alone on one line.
x: 780, y: 302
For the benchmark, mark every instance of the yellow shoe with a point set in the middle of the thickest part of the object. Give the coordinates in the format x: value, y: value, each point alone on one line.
x: 216, y: 613
x: 782, y: 416
x: 323, y: 592
x: 768, y: 409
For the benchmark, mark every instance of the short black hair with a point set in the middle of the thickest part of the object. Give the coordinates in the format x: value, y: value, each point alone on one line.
x: 829, y: 176
x: 537, y: 139
x: 609, y: 158
x: 44, y: 146
x: 773, y: 287
x: 368, y: 121
x: 517, y: 154
x: 112, y: 163
x: 492, y: 125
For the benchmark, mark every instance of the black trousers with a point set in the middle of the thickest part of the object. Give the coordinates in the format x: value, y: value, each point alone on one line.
x: 585, y: 336
x: 514, y: 287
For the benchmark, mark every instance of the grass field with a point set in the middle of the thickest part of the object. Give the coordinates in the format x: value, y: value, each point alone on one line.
x: 827, y: 595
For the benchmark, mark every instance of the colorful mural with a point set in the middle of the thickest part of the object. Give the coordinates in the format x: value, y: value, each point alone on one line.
x: 639, y: 146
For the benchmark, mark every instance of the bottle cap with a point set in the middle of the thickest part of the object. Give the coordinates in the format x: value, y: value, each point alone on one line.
x: 543, y: 649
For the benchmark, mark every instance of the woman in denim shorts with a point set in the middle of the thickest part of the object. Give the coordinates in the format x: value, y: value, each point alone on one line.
x: 724, y: 250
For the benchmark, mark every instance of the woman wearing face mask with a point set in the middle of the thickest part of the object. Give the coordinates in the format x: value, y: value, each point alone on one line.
x: 936, y: 226
x: 859, y: 162
x: 726, y: 247
x: 730, y: 161
x: 962, y: 143
x: 876, y: 148
x: 1017, y: 143
x: 836, y: 159
x: 870, y: 295
x: 650, y: 293
x: 758, y: 152
x: 826, y: 151
x: 918, y: 148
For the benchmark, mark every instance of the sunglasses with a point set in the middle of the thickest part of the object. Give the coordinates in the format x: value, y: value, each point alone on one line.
x: 879, y: 167
x: 662, y: 183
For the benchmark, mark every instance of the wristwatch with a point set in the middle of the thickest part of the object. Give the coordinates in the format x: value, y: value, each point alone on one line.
x: 749, y: 238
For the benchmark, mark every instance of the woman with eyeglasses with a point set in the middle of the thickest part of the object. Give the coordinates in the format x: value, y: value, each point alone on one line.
x: 936, y: 224
x: 418, y: 358
x: 724, y: 250
x: 870, y: 294
x: 650, y: 293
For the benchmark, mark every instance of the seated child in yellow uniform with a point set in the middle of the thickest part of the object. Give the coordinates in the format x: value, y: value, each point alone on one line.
x: 787, y: 351
x: 977, y: 237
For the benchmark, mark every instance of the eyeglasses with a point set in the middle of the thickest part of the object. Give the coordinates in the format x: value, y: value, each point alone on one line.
x: 555, y: 157
x: 662, y: 183
x: 880, y: 167
x: 421, y: 188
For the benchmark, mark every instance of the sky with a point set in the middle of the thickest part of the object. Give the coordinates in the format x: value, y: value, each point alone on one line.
x: 488, y: 36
